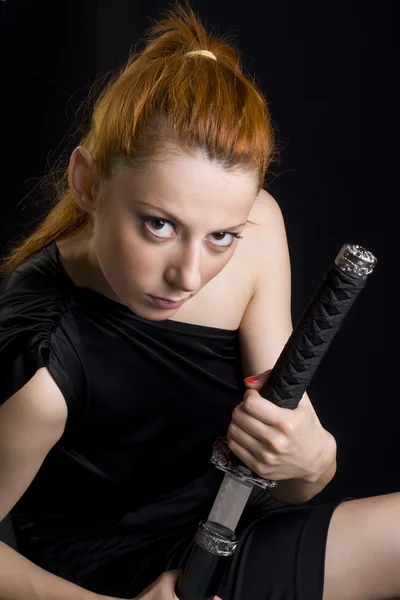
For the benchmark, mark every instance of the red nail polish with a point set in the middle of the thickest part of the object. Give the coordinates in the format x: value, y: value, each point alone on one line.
x: 252, y: 379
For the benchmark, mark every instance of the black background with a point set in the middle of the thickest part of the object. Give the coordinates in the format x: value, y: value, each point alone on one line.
x: 329, y: 72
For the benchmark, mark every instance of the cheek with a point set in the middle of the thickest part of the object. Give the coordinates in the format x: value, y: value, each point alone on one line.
x: 125, y: 257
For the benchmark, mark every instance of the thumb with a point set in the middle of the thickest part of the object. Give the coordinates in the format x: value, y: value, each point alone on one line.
x: 257, y: 382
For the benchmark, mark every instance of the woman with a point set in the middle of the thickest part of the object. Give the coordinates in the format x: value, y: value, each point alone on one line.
x: 128, y: 321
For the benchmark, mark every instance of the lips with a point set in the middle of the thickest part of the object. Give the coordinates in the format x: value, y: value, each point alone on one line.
x: 166, y: 303
x: 170, y: 300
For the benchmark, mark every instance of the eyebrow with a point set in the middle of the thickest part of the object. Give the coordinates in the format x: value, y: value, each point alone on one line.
x: 176, y: 220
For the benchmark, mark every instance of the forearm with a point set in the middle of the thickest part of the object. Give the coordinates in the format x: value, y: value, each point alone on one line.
x: 297, y: 491
x: 21, y: 579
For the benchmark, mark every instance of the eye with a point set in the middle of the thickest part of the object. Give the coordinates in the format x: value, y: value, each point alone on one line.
x: 159, y: 227
x: 223, y: 239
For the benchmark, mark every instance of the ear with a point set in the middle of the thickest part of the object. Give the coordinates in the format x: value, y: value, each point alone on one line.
x: 81, y: 178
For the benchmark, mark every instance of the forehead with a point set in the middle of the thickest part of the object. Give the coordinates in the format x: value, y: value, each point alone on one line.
x: 190, y: 186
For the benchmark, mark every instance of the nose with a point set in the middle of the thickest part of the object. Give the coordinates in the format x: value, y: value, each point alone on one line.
x: 184, y: 269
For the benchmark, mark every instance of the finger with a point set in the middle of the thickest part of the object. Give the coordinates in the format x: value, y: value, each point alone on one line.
x: 259, y: 447
x: 256, y: 382
x: 168, y: 580
x: 171, y: 579
x: 243, y: 421
x: 264, y: 410
x: 251, y: 461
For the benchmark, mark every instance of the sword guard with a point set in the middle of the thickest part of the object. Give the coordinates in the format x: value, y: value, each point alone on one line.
x: 225, y: 460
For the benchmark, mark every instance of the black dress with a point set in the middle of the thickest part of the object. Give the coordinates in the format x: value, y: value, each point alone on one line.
x: 118, y: 499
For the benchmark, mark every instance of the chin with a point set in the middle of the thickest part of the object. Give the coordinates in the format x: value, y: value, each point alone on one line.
x: 156, y: 315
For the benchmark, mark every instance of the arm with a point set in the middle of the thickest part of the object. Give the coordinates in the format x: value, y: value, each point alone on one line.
x: 31, y: 422
x: 267, y: 325
x: 296, y: 491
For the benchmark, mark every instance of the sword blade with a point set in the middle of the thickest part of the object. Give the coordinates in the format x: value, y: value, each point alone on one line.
x: 230, y: 501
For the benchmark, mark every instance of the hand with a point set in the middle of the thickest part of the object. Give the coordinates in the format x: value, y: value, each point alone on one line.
x: 163, y: 588
x: 280, y: 443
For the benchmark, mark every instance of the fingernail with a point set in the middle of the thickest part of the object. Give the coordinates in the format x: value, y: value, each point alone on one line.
x: 253, y: 379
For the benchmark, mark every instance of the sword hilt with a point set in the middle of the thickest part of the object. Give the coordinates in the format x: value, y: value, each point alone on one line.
x: 307, y: 345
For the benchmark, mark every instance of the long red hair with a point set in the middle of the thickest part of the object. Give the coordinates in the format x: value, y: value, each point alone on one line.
x: 162, y: 95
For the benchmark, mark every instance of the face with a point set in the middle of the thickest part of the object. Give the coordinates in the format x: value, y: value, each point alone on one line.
x: 164, y: 232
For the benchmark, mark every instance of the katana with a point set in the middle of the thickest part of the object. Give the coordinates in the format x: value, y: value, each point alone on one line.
x: 215, y: 540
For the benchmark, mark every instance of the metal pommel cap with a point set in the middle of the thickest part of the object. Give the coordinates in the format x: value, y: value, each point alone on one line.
x: 355, y: 260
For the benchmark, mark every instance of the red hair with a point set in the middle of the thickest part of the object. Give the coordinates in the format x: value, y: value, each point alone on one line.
x: 161, y: 96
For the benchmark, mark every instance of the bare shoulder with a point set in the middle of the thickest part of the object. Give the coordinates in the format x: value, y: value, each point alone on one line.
x: 265, y: 240
x: 266, y: 207
x: 266, y: 220
x: 266, y: 323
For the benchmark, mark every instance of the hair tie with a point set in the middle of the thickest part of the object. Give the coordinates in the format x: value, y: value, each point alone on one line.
x: 202, y: 52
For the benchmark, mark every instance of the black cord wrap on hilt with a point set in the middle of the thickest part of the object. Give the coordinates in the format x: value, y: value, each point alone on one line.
x: 308, y: 343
